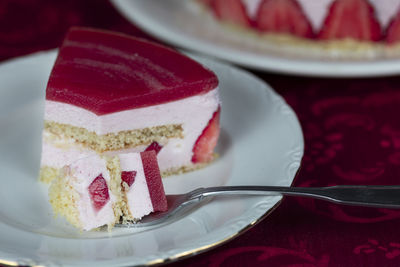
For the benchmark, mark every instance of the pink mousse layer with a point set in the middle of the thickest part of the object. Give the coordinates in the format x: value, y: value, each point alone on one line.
x: 317, y: 10
x: 146, y: 194
x: 105, y: 72
x: 80, y: 175
x: 193, y: 113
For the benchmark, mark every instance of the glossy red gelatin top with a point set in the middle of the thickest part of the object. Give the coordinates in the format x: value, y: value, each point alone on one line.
x: 106, y: 72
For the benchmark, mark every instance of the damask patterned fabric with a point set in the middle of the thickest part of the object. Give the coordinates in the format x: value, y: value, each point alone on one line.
x: 352, y: 136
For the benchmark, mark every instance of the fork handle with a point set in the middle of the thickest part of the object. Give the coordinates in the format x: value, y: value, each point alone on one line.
x: 363, y: 195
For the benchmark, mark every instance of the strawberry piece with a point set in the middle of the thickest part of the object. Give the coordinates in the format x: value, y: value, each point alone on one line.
x: 393, y: 30
x: 154, y: 146
x: 205, y: 144
x: 232, y: 11
x: 98, y: 191
x: 128, y: 177
x: 283, y: 16
x: 153, y: 180
x: 351, y: 19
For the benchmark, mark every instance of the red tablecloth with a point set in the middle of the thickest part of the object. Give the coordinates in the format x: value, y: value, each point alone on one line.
x: 352, y: 136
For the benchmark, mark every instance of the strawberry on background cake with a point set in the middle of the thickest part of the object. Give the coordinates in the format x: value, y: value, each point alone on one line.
x: 110, y: 93
x: 354, y: 24
x: 96, y: 191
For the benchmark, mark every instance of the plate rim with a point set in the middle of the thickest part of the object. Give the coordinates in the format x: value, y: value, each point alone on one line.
x: 10, y: 261
x: 299, y: 67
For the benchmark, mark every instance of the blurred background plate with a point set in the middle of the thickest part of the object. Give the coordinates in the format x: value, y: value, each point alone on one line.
x: 185, y: 25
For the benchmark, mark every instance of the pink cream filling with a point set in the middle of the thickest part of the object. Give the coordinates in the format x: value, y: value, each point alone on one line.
x: 189, y: 111
x: 138, y: 195
x: 80, y: 175
x: 192, y: 112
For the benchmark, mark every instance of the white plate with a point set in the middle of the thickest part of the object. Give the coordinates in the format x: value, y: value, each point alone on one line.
x: 180, y: 23
x: 261, y: 144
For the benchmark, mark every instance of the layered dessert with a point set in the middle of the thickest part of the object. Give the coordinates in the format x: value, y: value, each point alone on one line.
x: 335, y: 23
x: 109, y: 93
x: 96, y: 191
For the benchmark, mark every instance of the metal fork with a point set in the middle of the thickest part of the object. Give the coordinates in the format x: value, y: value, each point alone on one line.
x: 362, y: 195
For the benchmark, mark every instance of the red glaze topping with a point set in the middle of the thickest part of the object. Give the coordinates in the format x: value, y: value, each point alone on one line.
x: 154, y: 146
x: 98, y: 191
x: 107, y: 72
x: 153, y: 179
x: 204, y: 147
x: 128, y: 177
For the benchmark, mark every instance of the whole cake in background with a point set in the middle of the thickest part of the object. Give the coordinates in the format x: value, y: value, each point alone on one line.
x: 110, y: 93
x: 96, y: 191
x: 354, y: 24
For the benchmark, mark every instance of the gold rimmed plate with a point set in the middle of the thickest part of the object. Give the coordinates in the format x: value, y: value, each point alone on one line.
x: 261, y: 144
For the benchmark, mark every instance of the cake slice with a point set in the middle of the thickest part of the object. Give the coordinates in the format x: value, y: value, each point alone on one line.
x: 97, y: 191
x: 110, y: 93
